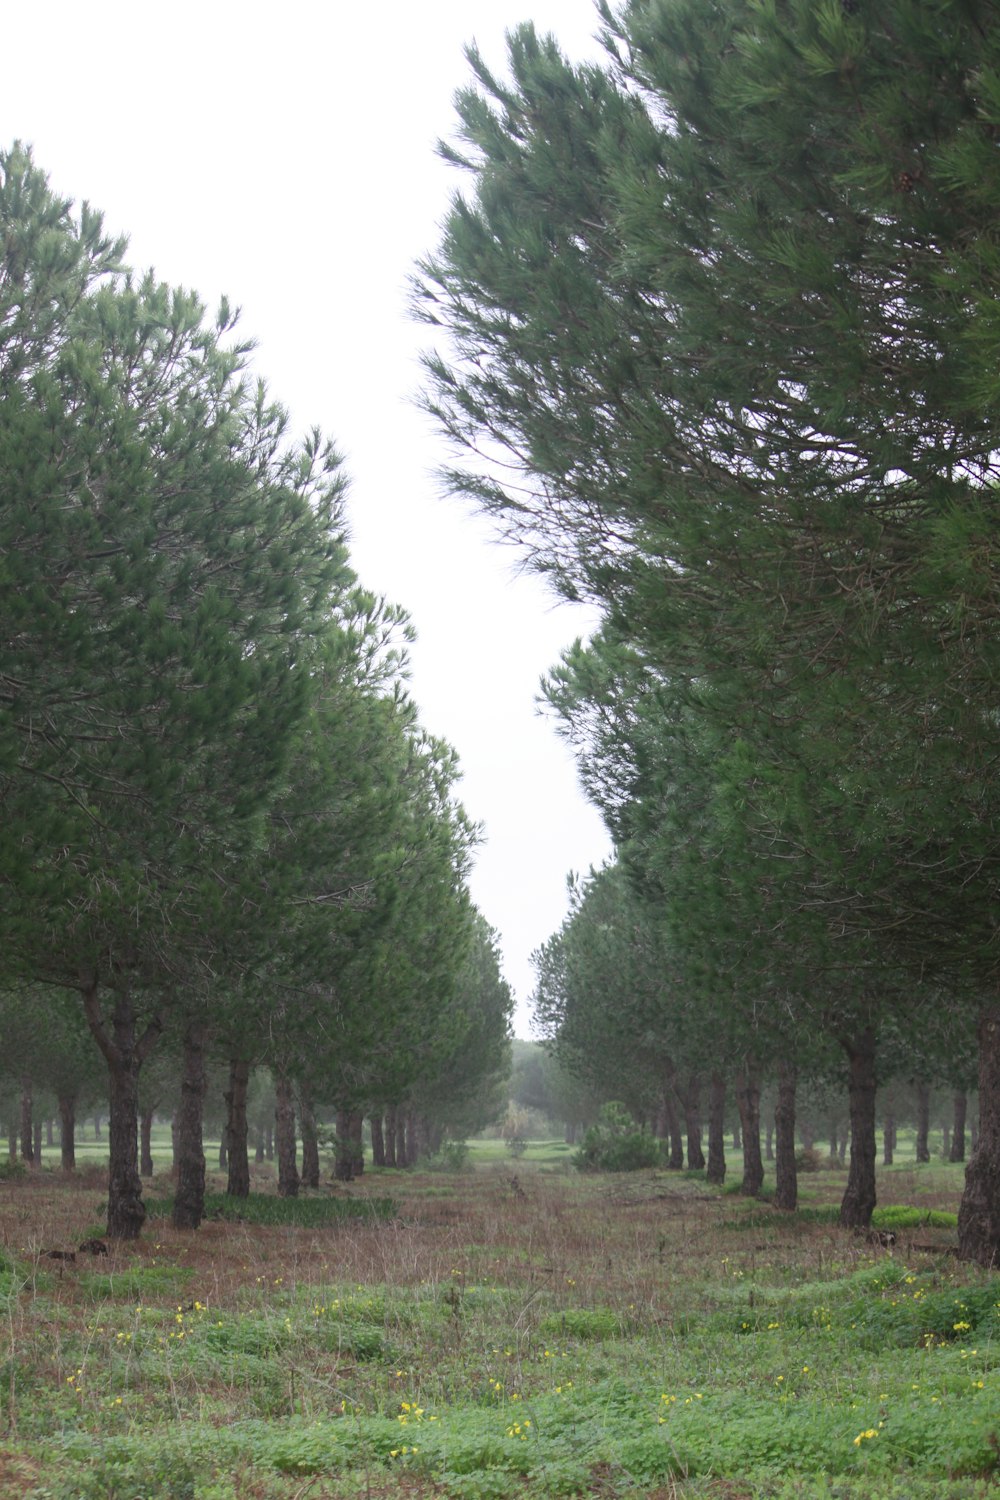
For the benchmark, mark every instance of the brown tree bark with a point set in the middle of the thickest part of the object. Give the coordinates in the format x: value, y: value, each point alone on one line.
x: 284, y: 1137
x: 748, y: 1101
x: 67, y: 1131
x: 27, y: 1124
x: 357, y: 1129
x: 786, y: 1192
x: 378, y: 1140
x: 923, y: 1092
x: 238, y: 1179
x: 124, y: 1054
x: 716, y: 1169
x: 960, y: 1105
x: 310, y: 1141
x: 692, y: 1122
x: 401, y: 1160
x: 858, y: 1201
x: 390, y: 1137
x: 888, y: 1139
x: 979, y: 1210
x: 189, y: 1199
x: 37, y: 1157
x: 343, y: 1151
x: 146, y: 1142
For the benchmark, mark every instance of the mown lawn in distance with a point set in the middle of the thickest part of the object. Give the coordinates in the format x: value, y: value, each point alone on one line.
x: 514, y: 1330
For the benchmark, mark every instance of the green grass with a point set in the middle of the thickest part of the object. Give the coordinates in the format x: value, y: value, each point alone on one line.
x: 627, y: 1336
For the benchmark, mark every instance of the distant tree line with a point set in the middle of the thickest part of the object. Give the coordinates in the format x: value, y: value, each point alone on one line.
x: 224, y: 834
x: 721, y: 359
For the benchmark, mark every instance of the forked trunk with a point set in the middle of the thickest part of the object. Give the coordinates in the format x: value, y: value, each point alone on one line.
x: 67, y: 1131
x: 786, y: 1192
x: 979, y: 1211
x: 692, y: 1122
x: 189, y: 1200
x: 748, y: 1100
x: 716, y: 1170
x: 124, y: 1053
x: 238, y: 1180
x: 858, y: 1201
x: 960, y: 1105
x: 284, y: 1135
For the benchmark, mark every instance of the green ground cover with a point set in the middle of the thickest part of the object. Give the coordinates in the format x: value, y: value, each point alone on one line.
x: 523, y: 1333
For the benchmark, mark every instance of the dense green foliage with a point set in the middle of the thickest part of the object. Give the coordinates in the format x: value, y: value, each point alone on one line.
x: 722, y: 320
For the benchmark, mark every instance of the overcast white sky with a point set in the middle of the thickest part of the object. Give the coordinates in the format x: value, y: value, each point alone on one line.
x: 284, y: 155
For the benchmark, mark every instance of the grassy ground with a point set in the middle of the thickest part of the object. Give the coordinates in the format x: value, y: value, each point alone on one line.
x: 510, y: 1331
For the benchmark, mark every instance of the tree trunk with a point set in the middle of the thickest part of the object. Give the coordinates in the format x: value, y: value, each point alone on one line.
x: 946, y: 1142
x: 12, y: 1136
x: 808, y: 1135
x: 672, y: 1123
x: 959, y: 1105
x: 786, y: 1193
x: 357, y: 1126
x: 310, y: 1142
x: 269, y: 1143
x: 49, y: 1138
x: 189, y: 1199
x: 175, y: 1145
x: 284, y: 1134
x: 859, y: 1196
x: 124, y: 1054
x: 769, y: 1139
x: 390, y: 1137
x: 888, y: 1139
x: 716, y: 1170
x: 27, y: 1124
x: 412, y: 1138
x: 737, y: 1139
x: 67, y: 1131
x: 748, y: 1100
x: 833, y: 1139
x: 692, y: 1122
x: 37, y: 1159
x: 97, y: 1127
x: 923, y: 1121
x: 238, y: 1180
x: 401, y: 1138
x: 378, y: 1140
x: 223, y: 1151
x: 258, y: 1155
x: 343, y: 1154
x: 979, y: 1210
x: 145, y: 1142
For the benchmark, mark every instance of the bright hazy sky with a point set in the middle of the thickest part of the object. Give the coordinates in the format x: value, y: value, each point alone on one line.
x: 284, y: 155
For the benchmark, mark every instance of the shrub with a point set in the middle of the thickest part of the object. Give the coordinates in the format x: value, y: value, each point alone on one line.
x: 616, y: 1144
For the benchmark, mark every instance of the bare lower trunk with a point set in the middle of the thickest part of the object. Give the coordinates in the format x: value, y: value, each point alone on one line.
x: 692, y: 1121
x: 979, y: 1211
x: 716, y: 1169
x: 343, y: 1154
x: 748, y: 1100
x: 67, y: 1131
x: 189, y: 1200
x: 27, y: 1124
x: 888, y: 1139
x: 12, y: 1138
x: 38, y: 1144
x: 390, y: 1137
x: 923, y: 1122
x: 357, y: 1127
x: 145, y: 1142
x: 223, y: 1158
x: 858, y: 1201
x: 412, y: 1138
x: 378, y: 1140
x: 959, y: 1105
x: 284, y: 1132
x: 786, y: 1191
x: 672, y: 1122
x: 401, y: 1160
x: 310, y: 1142
x: 238, y: 1180
x: 124, y: 1053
